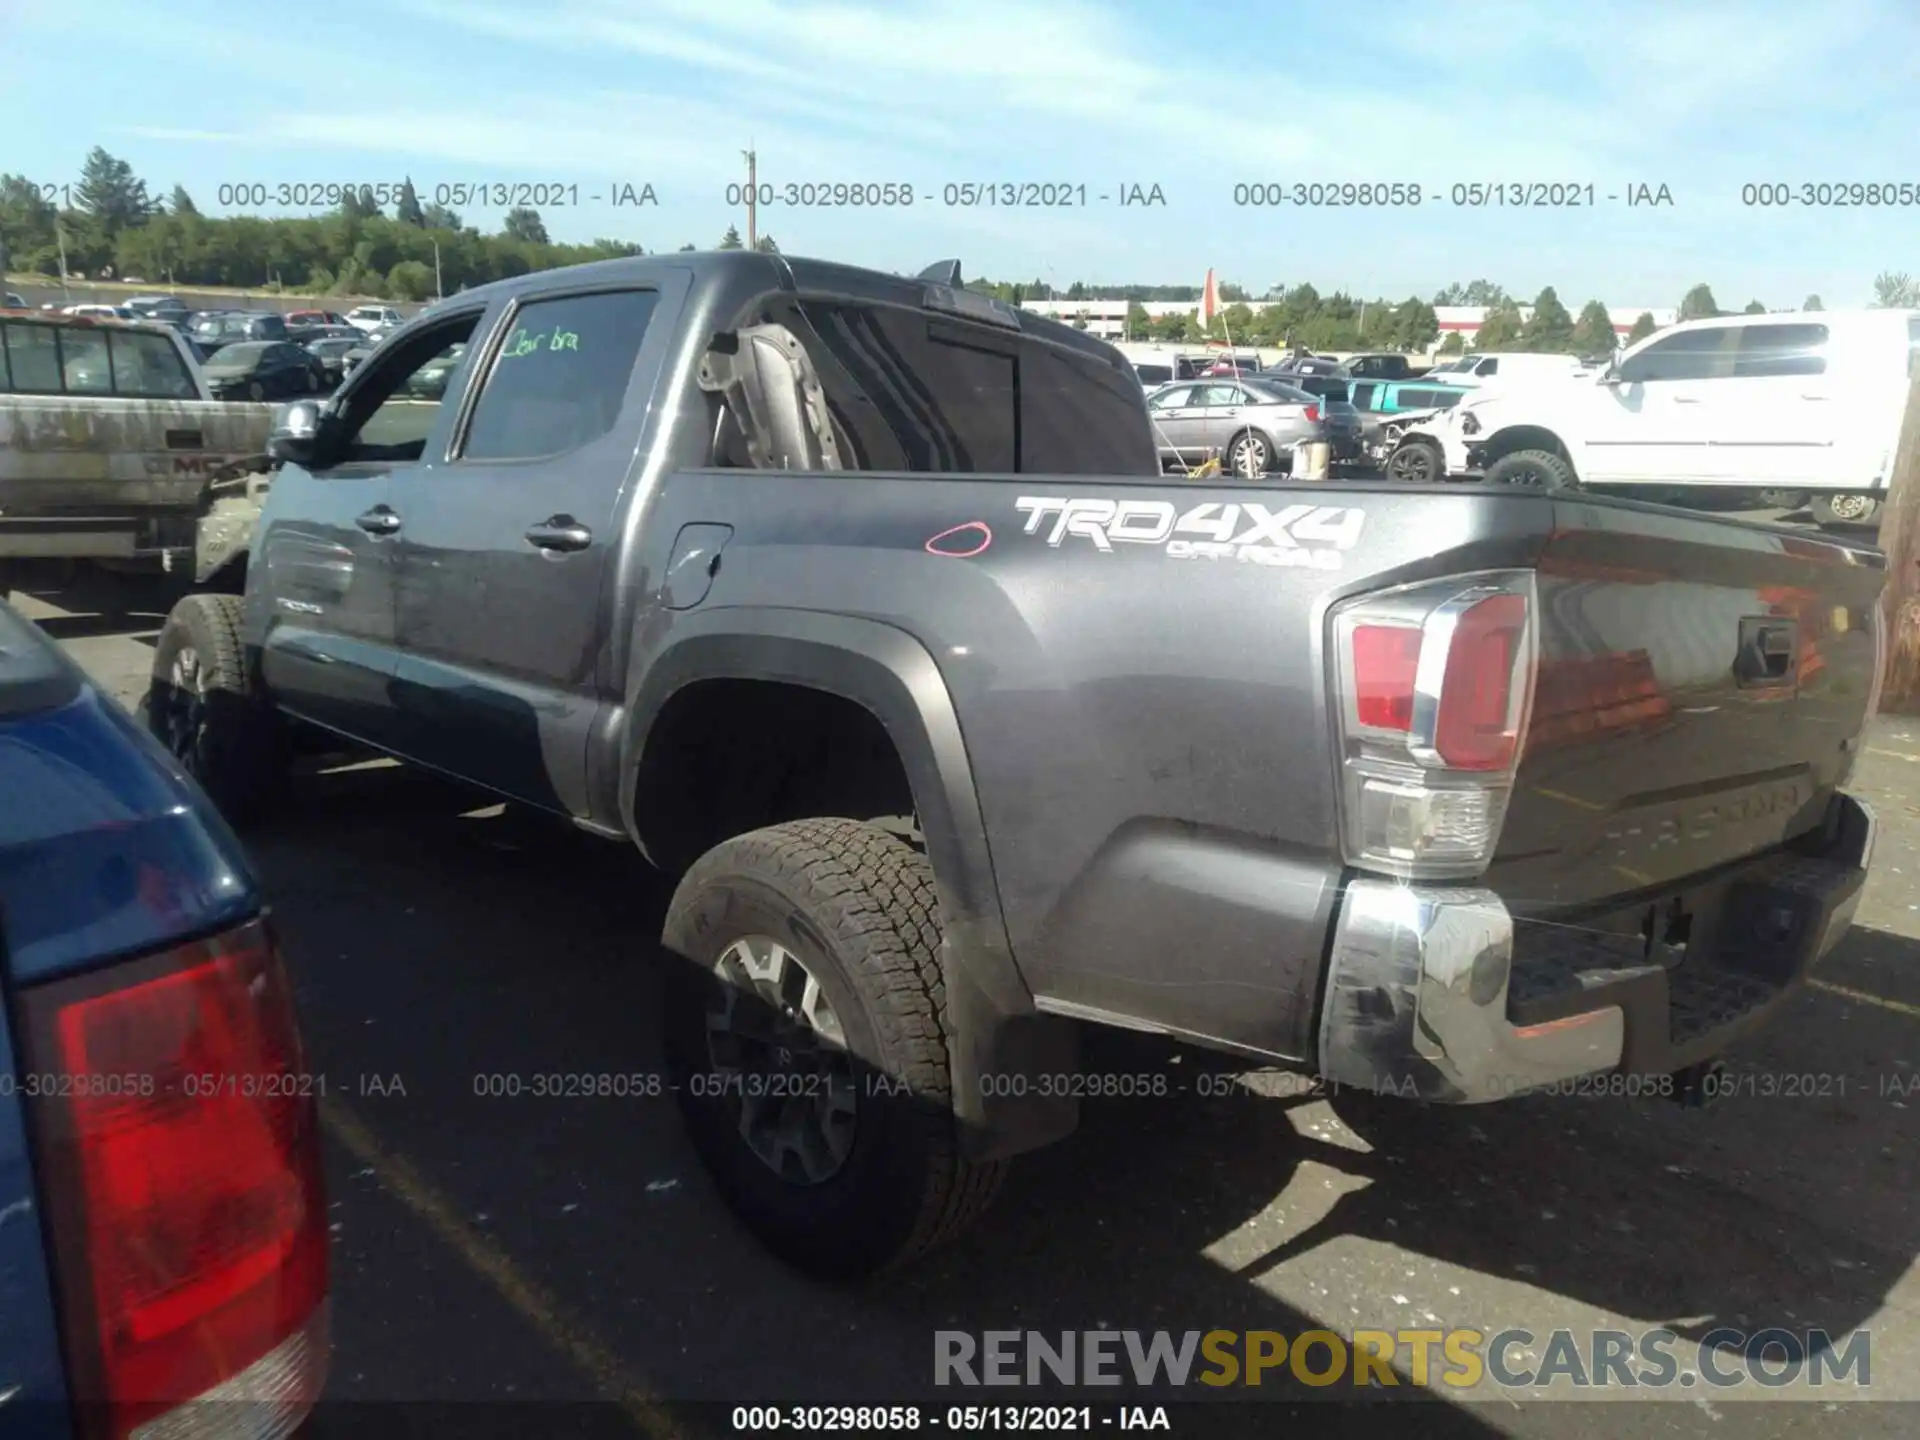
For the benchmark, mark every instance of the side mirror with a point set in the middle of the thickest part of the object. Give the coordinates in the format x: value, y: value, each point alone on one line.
x: 295, y: 438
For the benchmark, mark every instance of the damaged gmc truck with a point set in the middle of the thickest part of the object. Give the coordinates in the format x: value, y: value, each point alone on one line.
x: 859, y: 605
x: 113, y: 450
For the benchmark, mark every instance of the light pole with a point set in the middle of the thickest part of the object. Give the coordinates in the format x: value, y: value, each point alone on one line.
x: 753, y: 196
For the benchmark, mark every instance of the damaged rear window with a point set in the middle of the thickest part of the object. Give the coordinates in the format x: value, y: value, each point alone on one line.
x: 910, y: 391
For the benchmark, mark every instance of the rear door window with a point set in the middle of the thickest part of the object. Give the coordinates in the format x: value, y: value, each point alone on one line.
x: 1770, y: 350
x: 558, y: 378
x: 86, y: 362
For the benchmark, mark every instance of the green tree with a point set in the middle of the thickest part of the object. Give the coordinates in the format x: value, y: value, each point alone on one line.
x: 688, y: 246
x: 111, y: 193
x: 181, y: 203
x: 407, y: 209
x: 1812, y: 302
x: 1474, y: 292
x: 410, y: 280
x: 1137, y: 321
x: 1502, y: 329
x: 1895, y: 290
x: 1593, y: 331
x: 26, y: 223
x: 1642, y: 327
x: 439, y: 217
x: 731, y: 240
x: 1549, y: 327
x: 1754, y: 307
x: 766, y: 246
x: 358, y: 204
x: 523, y: 223
x: 1452, y: 345
x: 1698, y: 304
x: 1415, y: 326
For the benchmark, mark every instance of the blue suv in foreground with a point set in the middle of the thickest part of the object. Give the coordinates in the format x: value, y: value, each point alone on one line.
x: 163, y: 1233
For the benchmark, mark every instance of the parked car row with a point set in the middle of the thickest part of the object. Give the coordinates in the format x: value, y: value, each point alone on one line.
x: 1250, y: 423
x: 1784, y: 409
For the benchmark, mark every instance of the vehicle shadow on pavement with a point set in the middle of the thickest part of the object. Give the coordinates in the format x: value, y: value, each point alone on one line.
x: 439, y: 940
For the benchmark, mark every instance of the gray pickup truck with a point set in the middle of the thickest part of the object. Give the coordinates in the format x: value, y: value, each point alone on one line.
x: 859, y: 605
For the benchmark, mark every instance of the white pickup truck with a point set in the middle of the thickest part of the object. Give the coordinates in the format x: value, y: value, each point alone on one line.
x: 1789, y: 408
x: 111, y: 445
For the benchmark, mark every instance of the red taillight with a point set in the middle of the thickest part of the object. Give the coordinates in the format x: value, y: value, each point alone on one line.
x: 182, y: 1162
x: 1313, y: 414
x: 1385, y: 660
x: 1477, y: 725
x: 1433, y: 685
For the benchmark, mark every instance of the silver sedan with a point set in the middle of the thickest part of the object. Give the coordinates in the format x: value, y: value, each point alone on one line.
x: 1250, y: 424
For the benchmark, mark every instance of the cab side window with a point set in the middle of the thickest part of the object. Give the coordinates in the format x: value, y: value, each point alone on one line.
x: 558, y: 379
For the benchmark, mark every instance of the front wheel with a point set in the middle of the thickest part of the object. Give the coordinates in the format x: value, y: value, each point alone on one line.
x: 1250, y: 456
x: 205, y: 708
x: 1416, y: 462
x: 1532, y: 470
x: 806, y: 1032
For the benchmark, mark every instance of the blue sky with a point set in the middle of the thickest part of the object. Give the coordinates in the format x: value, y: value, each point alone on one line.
x: 1698, y: 95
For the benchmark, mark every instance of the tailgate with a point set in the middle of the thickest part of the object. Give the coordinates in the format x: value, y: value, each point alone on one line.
x: 78, y: 455
x: 1702, y: 688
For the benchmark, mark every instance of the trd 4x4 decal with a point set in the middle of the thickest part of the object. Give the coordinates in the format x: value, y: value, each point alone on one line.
x: 1308, y: 535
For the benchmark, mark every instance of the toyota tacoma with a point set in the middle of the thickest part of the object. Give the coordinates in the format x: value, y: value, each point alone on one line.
x: 859, y: 605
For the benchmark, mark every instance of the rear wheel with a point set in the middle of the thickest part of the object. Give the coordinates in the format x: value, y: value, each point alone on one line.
x: 1845, y: 510
x: 204, y: 706
x: 806, y: 1029
x: 1250, y: 456
x: 256, y: 391
x: 1532, y: 470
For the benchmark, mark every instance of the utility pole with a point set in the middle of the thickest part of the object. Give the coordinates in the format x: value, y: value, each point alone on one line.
x: 1900, y: 538
x: 438, y: 293
x: 753, y: 197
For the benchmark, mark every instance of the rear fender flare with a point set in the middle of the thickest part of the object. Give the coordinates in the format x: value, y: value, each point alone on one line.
x: 996, y: 1029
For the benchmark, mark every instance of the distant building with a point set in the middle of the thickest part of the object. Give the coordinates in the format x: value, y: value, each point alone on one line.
x: 1108, y: 318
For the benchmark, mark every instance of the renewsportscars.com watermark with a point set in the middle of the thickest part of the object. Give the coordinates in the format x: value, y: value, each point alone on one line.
x: 1514, y: 1359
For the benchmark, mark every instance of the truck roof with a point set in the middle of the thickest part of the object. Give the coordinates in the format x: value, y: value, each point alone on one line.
x: 794, y: 272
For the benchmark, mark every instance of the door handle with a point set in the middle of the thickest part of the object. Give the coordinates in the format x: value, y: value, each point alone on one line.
x: 378, y: 521
x: 1686, y: 399
x: 1816, y: 397
x: 559, y: 533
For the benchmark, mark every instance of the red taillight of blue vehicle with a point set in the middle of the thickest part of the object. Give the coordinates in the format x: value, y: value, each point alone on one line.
x: 178, y: 1139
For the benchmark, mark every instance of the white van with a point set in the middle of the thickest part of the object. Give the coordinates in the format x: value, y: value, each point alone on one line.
x: 1784, y: 403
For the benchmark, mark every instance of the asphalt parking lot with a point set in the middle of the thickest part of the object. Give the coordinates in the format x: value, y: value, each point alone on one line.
x: 522, y: 1250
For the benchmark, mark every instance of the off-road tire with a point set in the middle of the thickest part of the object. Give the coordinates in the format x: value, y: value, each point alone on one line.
x: 1532, y: 470
x: 856, y: 906
x: 238, y: 749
